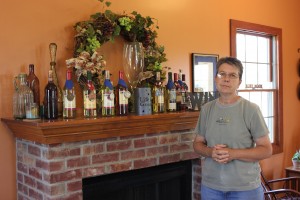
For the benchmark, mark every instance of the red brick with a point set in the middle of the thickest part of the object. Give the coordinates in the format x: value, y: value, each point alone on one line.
x: 65, y: 176
x: 22, y: 188
x: 133, y: 154
x: 56, y: 166
x: 35, y: 173
x: 103, y: 158
x: 22, y: 168
x: 149, y: 162
x: 167, y: 139
x: 22, y: 197
x: 169, y: 159
x: 145, y: 142
x: 29, y: 160
x: 119, y: 167
x: 157, y: 150
x: 42, y: 164
x: 189, y: 155
x: 93, y: 171
x: 119, y: 145
x: 78, y: 162
x: 74, y: 196
x: 92, y: 149
x: 74, y: 186
x: 179, y: 147
x: 44, y: 188
x: 29, y: 181
x: 51, y: 190
x: 61, y: 153
x: 21, y: 147
x: 34, y: 150
x: 20, y: 177
x: 188, y: 137
x: 35, y: 194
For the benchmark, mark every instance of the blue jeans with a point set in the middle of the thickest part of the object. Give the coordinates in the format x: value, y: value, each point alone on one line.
x: 211, y: 194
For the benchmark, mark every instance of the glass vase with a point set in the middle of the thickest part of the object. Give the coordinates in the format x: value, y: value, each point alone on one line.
x: 133, y: 63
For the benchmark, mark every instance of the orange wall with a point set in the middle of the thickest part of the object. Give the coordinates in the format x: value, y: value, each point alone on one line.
x: 27, y: 28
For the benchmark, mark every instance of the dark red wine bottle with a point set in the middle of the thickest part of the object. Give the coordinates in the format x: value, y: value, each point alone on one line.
x: 51, y: 98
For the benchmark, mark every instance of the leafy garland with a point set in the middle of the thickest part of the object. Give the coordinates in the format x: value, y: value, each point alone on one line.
x: 104, y: 27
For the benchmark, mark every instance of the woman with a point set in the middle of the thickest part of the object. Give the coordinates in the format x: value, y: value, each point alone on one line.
x: 232, y: 136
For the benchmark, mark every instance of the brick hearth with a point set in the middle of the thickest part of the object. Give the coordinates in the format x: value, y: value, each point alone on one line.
x: 55, y: 171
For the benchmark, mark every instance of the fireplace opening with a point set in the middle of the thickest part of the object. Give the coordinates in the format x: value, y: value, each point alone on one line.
x: 163, y: 182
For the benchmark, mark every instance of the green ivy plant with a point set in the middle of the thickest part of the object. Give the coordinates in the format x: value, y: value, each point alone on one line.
x: 105, y: 26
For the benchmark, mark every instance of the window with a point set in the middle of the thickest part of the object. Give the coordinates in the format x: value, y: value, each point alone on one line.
x: 258, y: 47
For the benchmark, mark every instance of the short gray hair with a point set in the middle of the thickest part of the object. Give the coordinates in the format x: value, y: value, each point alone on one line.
x: 233, y: 62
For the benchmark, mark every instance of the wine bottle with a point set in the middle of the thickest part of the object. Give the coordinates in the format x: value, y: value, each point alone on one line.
x: 50, y: 99
x: 108, y: 97
x: 183, y: 90
x: 171, y: 94
x: 89, y: 98
x: 158, y: 104
x: 178, y: 92
x: 69, y: 98
x: 122, y: 95
x: 34, y: 84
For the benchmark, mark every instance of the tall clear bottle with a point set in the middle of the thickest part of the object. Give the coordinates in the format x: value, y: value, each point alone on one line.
x: 108, y: 97
x: 53, y: 49
x: 50, y: 99
x: 122, y: 95
x: 69, y: 103
x: 171, y: 94
x: 158, y: 95
x: 22, y: 97
x: 34, y: 84
x: 89, y: 98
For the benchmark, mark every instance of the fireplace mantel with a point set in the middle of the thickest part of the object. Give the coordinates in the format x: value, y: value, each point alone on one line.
x: 79, y: 129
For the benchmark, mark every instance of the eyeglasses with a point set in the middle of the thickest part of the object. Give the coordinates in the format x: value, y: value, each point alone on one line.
x: 223, y: 75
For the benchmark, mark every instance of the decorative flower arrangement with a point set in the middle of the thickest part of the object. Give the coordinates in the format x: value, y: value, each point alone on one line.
x: 85, y: 62
x: 105, y: 26
x: 296, y: 156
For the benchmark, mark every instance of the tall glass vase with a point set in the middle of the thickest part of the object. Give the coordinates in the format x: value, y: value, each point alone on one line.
x: 133, y: 63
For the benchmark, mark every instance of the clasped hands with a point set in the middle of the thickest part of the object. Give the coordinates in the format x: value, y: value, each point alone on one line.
x: 221, y: 154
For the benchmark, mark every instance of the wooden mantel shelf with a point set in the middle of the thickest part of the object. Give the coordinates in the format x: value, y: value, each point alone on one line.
x: 79, y: 129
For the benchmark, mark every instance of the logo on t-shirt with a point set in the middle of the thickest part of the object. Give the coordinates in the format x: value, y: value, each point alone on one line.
x: 223, y: 120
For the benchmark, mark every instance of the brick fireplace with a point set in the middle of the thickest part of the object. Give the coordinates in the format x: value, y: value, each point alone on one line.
x: 53, y: 157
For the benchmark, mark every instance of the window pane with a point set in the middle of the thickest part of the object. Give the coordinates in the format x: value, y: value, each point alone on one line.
x: 264, y: 73
x: 263, y: 50
x: 250, y: 73
x: 251, y: 48
x: 240, y: 48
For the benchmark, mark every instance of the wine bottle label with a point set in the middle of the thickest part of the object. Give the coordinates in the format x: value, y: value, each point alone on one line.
x: 172, y: 94
x: 89, y: 100
x: 127, y: 94
x: 172, y: 100
x: 172, y: 106
x: 108, y: 99
x: 69, y: 103
x: 122, y: 98
x: 159, y: 96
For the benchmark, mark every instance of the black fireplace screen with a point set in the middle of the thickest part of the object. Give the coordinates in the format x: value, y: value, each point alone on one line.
x: 164, y: 182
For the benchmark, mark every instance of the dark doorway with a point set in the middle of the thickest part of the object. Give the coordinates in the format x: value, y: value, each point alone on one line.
x: 164, y: 182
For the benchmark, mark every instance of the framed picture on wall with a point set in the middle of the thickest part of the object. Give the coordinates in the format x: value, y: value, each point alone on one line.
x: 203, y: 72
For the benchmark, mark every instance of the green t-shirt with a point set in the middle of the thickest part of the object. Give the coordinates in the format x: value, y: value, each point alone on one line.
x: 238, y: 126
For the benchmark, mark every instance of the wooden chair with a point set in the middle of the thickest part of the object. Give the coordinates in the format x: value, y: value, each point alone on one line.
x: 289, y: 188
